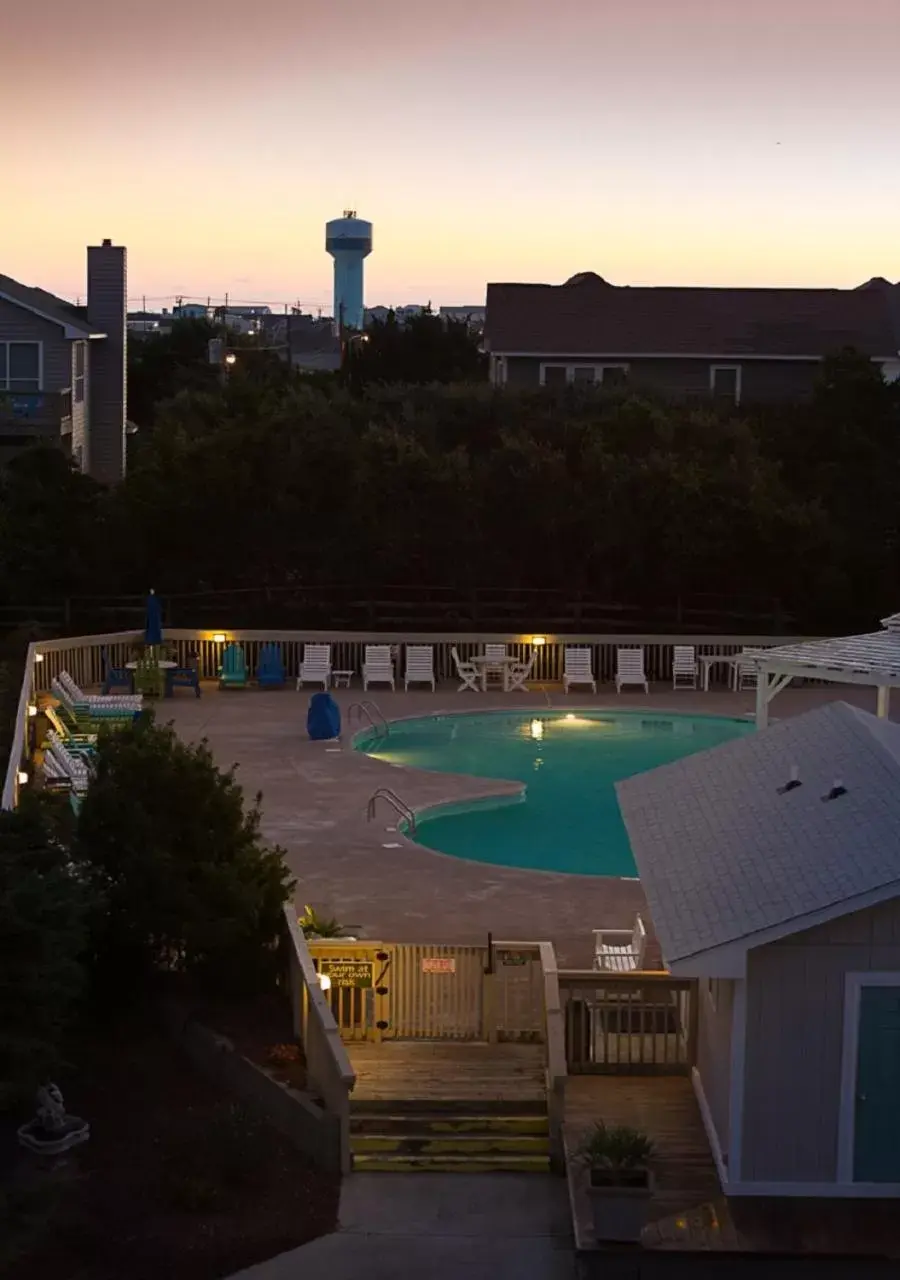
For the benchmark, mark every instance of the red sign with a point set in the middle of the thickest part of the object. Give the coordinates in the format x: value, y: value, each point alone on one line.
x: 439, y: 964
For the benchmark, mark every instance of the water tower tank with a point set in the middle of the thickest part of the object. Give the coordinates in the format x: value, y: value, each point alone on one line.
x: 349, y: 241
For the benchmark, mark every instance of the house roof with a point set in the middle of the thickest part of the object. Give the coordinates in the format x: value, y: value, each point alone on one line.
x: 724, y: 858
x: 892, y: 293
x: 45, y: 304
x: 588, y: 316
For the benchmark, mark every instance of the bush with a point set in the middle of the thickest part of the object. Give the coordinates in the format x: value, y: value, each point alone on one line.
x: 187, y: 883
x: 43, y: 914
x: 226, y: 1152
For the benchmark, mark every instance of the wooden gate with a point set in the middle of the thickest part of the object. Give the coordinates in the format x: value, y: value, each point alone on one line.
x: 516, y: 999
x: 355, y: 976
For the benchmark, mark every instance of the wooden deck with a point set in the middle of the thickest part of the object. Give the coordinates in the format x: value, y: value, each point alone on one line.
x: 444, y: 1070
x: 663, y: 1107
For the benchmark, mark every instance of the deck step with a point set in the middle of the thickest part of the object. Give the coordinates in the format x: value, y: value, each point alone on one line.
x: 441, y: 1123
x: 494, y: 1163
x: 465, y: 1145
x: 447, y: 1106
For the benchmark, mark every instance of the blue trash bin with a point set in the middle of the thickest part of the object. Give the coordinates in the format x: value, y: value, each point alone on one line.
x: 323, y: 720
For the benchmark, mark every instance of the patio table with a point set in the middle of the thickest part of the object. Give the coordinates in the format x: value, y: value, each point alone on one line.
x: 708, y: 660
x: 486, y: 664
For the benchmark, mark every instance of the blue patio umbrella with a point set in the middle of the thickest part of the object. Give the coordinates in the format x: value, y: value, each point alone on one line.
x: 153, y: 625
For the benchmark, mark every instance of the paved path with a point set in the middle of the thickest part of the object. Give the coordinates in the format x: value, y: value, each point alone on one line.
x: 439, y: 1227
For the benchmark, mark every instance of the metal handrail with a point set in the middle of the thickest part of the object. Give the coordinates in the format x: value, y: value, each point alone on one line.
x: 366, y: 707
x: 399, y: 806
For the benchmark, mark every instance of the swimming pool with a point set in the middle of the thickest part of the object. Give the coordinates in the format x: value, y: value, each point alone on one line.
x: 569, y: 818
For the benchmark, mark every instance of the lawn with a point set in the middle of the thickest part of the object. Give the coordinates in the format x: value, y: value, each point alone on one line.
x: 176, y: 1181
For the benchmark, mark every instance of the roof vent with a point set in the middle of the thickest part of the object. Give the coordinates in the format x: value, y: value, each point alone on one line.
x: 793, y: 781
x: 837, y: 789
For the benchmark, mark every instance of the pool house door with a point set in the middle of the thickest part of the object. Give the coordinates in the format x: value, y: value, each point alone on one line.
x: 876, y: 1145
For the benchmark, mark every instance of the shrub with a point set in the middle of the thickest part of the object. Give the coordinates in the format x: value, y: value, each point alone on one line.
x: 187, y: 883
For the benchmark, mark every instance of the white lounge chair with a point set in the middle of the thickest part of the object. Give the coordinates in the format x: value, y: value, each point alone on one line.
x: 316, y: 665
x: 73, y: 767
x: 630, y: 669
x: 577, y: 669
x: 132, y: 701
x: 684, y: 667
x: 377, y: 666
x: 517, y: 674
x: 620, y: 950
x: 746, y: 675
x: 419, y: 665
x: 467, y: 671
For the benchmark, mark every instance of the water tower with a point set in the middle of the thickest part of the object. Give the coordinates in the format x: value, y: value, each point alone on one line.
x: 348, y: 240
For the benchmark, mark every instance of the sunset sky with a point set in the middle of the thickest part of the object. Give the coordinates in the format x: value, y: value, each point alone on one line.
x: 652, y: 141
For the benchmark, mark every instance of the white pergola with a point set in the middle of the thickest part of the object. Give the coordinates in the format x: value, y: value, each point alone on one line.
x: 872, y: 659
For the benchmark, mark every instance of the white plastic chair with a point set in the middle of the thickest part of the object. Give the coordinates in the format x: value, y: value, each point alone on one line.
x: 467, y: 671
x: 620, y: 950
x: 494, y: 666
x: 684, y: 667
x: 316, y: 665
x: 419, y: 665
x: 630, y: 669
x: 577, y: 669
x: 517, y: 674
x: 377, y: 666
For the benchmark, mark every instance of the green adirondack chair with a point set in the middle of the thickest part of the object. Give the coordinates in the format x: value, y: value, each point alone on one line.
x: 233, y: 673
x: 148, y: 677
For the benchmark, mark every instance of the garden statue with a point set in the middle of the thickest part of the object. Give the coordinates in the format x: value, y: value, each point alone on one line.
x: 52, y: 1130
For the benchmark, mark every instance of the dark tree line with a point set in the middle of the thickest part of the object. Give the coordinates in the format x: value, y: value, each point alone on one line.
x: 282, y: 480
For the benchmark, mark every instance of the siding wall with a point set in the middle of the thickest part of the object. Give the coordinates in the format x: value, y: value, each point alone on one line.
x: 760, y: 380
x: 795, y: 1014
x: 714, y: 1053
x: 19, y: 325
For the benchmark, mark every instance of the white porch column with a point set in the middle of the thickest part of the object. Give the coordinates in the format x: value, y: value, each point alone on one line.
x: 883, y: 706
x: 762, y: 700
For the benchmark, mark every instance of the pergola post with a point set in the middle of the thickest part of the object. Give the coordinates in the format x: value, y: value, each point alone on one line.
x: 883, y: 705
x: 762, y: 701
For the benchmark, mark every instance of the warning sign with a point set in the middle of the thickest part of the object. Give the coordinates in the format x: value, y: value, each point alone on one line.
x: 439, y: 964
x: 348, y: 973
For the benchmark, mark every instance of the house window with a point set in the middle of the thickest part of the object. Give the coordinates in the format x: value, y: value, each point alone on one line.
x: 725, y: 382
x: 20, y: 367
x: 78, y: 382
x: 557, y: 375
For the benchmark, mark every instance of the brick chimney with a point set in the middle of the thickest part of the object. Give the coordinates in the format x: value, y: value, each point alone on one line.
x: 107, y: 277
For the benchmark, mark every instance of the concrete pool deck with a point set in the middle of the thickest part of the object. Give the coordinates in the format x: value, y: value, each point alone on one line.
x: 315, y: 796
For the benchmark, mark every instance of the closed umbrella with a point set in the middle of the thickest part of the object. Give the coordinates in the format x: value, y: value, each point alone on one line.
x: 153, y: 627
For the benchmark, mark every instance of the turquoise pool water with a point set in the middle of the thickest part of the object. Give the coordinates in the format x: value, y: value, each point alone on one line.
x: 569, y: 819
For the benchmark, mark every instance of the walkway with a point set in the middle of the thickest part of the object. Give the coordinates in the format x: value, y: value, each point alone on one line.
x: 370, y: 876
x: 395, y: 1226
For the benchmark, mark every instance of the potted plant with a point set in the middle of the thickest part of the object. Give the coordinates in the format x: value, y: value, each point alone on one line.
x: 621, y: 1181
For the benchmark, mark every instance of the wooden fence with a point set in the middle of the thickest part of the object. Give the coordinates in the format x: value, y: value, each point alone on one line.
x: 628, y: 1024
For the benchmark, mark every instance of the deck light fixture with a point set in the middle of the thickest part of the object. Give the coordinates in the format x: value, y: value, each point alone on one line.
x: 324, y: 981
x: 538, y: 641
x: 219, y: 637
x: 32, y: 709
x: 22, y: 777
x: 39, y: 657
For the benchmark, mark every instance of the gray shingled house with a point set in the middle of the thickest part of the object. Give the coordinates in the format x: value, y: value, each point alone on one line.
x: 771, y: 867
x: 63, y: 367
x: 732, y: 344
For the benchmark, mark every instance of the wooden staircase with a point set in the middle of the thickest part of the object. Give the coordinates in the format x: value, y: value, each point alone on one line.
x: 449, y: 1107
x: 450, y: 1137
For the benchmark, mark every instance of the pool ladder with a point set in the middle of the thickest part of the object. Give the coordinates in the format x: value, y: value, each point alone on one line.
x: 399, y: 806
x: 365, y: 709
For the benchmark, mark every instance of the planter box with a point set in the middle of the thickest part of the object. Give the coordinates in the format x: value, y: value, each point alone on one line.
x: 620, y: 1213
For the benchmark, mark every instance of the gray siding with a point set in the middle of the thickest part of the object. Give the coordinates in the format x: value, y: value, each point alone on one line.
x: 795, y: 1015
x: 760, y: 379
x: 714, y: 1054
x: 107, y: 287
x: 19, y: 325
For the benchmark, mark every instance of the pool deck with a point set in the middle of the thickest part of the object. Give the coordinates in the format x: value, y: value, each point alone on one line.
x: 368, y: 874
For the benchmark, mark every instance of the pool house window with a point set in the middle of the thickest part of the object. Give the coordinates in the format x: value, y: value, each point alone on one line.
x: 558, y: 375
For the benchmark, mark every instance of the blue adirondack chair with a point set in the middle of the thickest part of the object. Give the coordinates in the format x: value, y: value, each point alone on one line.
x: 186, y: 677
x: 270, y: 668
x: 233, y: 674
x: 114, y: 677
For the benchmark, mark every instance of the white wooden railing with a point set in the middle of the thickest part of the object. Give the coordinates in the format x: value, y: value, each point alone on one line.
x: 83, y: 658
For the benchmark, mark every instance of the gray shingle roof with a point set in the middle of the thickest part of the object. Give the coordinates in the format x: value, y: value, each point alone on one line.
x: 47, y: 304
x: 722, y: 855
x: 587, y: 315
